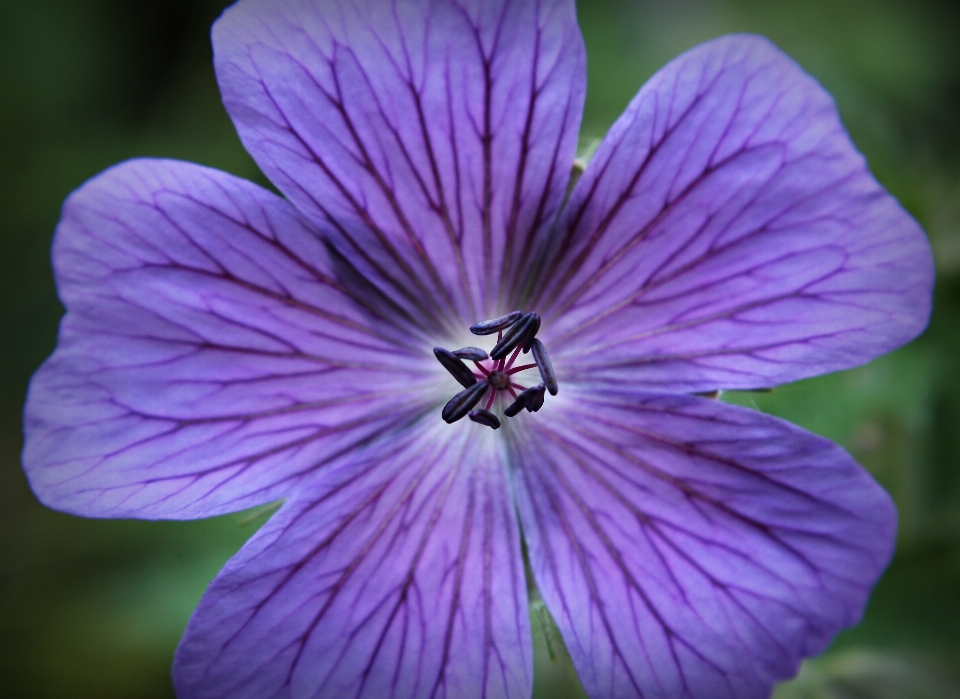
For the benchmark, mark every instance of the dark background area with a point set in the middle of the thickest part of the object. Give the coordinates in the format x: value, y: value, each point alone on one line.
x: 95, y: 608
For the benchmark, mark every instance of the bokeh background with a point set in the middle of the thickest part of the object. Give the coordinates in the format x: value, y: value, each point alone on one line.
x: 95, y: 608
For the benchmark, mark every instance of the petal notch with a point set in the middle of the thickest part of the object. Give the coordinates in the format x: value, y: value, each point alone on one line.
x: 210, y: 358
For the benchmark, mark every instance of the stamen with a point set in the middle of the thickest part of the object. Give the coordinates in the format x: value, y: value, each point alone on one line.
x: 501, y: 361
x: 460, y: 371
x: 531, y: 334
x: 535, y: 398
x: 513, y: 358
x: 462, y: 403
x: 545, y: 366
x: 516, y: 406
x: 531, y: 399
x: 485, y: 417
x: 493, y: 374
x: 519, y: 334
x: 474, y: 354
x: 488, y: 327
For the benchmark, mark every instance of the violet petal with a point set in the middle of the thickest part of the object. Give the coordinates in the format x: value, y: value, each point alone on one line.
x: 209, y: 360
x: 690, y: 548
x: 400, y: 577
x: 727, y: 234
x: 431, y: 140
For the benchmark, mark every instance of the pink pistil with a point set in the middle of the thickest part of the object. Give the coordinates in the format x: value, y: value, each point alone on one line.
x: 518, y: 369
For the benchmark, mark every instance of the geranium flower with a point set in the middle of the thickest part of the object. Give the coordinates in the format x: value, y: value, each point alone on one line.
x: 224, y: 348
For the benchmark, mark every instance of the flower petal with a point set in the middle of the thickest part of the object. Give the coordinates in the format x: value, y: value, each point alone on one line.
x: 399, y: 578
x: 690, y: 548
x: 210, y: 359
x: 432, y: 140
x: 728, y: 235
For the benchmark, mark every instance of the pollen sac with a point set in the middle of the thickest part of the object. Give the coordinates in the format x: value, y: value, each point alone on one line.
x: 531, y: 334
x: 473, y: 354
x: 457, y: 368
x: 462, y: 403
x: 520, y: 333
x: 488, y: 327
x: 545, y: 366
x: 485, y: 417
x: 515, y: 407
x: 534, y: 398
x: 531, y: 399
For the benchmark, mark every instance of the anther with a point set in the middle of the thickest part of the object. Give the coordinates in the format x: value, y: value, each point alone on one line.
x: 517, y: 333
x: 534, y: 398
x: 473, y: 354
x: 488, y: 327
x: 457, y: 368
x: 485, y: 417
x: 545, y: 366
x: 531, y: 399
x: 531, y: 334
x: 521, y: 333
x: 515, y: 407
x: 462, y: 403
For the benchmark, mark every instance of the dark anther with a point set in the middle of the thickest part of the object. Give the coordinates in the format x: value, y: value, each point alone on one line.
x: 522, y: 332
x: 485, y: 417
x: 531, y: 399
x: 518, y: 331
x: 534, y: 398
x: 531, y: 334
x: 462, y: 403
x: 457, y: 368
x: 488, y: 327
x: 545, y: 366
x: 516, y: 406
x: 474, y: 354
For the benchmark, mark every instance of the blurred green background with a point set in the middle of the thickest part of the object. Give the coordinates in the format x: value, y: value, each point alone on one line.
x: 95, y: 608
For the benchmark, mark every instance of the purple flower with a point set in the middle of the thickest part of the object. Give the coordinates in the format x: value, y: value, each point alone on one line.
x: 224, y: 348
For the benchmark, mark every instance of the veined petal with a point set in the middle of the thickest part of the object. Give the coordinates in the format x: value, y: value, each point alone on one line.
x: 432, y: 140
x: 210, y: 359
x: 400, y: 578
x: 728, y: 235
x: 688, y: 548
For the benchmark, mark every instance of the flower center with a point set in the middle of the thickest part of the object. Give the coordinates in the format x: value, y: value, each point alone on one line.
x: 516, y: 333
x: 498, y: 380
